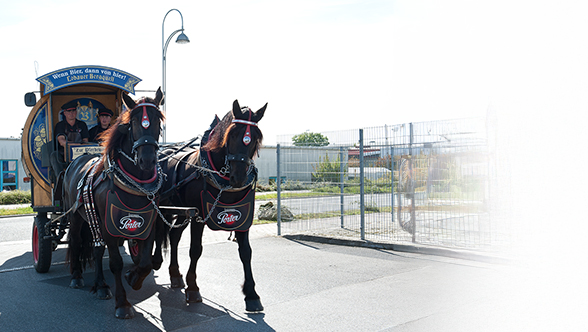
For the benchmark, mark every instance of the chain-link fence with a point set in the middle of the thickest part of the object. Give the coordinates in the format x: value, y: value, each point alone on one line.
x: 435, y: 183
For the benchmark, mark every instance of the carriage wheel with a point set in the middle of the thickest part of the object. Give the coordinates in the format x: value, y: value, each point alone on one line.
x: 42, y: 248
x: 134, y: 251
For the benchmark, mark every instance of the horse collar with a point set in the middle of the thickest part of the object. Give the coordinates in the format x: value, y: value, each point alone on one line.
x: 153, y: 178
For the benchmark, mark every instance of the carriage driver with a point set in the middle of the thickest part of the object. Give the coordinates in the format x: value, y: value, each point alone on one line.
x: 69, y: 130
x: 104, y: 116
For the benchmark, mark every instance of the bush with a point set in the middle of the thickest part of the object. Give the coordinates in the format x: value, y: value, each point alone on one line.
x: 327, y: 171
x: 15, y: 197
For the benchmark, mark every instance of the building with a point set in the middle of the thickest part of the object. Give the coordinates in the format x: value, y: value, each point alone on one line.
x: 13, y: 174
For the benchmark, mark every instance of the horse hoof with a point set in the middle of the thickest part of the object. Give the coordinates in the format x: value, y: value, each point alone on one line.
x: 104, y: 294
x: 177, y: 282
x: 193, y: 297
x: 76, y: 283
x: 125, y: 313
x: 253, y: 305
x: 156, y: 264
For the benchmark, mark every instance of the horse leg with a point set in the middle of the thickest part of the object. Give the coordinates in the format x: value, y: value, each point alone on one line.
x: 137, y: 274
x: 252, y: 300
x: 123, y: 309
x: 193, y: 292
x: 76, y: 251
x: 100, y: 288
x: 160, y: 235
x: 175, y: 276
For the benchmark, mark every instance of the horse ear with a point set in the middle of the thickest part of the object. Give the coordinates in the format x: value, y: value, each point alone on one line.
x: 236, y: 109
x: 259, y: 114
x: 159, y: 98
x: 129, y: 101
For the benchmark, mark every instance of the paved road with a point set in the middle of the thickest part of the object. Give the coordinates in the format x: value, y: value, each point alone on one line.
x: 305, y: 286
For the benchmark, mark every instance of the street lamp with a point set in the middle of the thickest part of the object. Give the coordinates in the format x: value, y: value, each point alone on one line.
x: 182, y: 39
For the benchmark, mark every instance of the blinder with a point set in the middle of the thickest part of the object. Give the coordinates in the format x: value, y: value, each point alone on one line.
x: 238, y: 157
x: 145, y: 140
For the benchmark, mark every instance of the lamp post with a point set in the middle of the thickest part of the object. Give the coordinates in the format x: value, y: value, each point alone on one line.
x: 182, y: 39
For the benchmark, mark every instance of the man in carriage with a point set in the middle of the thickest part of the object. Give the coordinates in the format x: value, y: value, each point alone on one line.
x: 104, y: 118
x: 69, y: 130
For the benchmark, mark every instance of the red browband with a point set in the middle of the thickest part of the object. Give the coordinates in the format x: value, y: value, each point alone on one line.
x: 145, y: 118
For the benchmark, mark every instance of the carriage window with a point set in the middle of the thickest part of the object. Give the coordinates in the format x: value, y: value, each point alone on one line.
x: 9, y: 175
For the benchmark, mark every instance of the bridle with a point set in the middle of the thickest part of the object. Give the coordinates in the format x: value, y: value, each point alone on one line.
x: 145, y: 139
x: 246, y: 140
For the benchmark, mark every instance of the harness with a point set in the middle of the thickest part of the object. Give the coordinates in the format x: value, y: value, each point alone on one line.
x: 121, y: 219
x: 233, y: 216
x: 143, y: 140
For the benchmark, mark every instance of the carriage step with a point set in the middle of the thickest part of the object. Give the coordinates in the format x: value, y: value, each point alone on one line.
x: 188, y: 212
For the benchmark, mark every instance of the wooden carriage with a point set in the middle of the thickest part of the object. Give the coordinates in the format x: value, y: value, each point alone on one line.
x: 93, y: 87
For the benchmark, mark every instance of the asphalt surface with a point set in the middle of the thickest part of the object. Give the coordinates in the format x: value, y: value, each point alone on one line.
x: 304, y: 286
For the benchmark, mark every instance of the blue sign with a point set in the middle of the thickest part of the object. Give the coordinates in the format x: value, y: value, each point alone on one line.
x: 88, y: 74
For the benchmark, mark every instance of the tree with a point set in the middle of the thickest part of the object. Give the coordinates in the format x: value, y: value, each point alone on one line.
x: 310, y: 139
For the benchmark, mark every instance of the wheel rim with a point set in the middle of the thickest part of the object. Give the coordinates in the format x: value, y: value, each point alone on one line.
x: 36, y: 244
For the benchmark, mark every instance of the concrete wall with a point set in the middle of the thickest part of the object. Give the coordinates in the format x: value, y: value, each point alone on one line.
x: 297, y: 162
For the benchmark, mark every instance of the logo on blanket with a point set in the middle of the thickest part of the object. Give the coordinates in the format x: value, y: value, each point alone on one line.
x: 229, y: 217
x: 237, y: 216
x: 132, y: 222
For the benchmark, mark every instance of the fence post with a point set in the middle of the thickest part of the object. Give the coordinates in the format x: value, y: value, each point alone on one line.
x: 392, y: 180
x: 342, y: 180
x: 412, y: 186
x: 361, y: 188
x: 278, y: 183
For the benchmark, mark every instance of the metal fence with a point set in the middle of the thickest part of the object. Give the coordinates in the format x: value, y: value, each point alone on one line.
x: 436, y: 183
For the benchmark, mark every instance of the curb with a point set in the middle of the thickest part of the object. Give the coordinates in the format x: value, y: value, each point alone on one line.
x: 416, y: 249
x: 18, y: 215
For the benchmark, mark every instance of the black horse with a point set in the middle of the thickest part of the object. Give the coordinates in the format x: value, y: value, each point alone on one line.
x: 218, y: 179
x: 112, y: 197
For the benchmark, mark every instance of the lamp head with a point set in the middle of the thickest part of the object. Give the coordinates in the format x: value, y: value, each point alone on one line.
x: 182, y: 39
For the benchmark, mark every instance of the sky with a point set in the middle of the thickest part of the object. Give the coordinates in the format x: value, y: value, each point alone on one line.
x: 321, y: 65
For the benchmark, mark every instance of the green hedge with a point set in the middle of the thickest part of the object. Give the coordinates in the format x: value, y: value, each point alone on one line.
x: 15, y: 197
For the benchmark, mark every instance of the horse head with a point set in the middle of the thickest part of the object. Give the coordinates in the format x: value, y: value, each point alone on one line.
x: 243, y: 141
x: 142, y: 127
x: 233, y: 142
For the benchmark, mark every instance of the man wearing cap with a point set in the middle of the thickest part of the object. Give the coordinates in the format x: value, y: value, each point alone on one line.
x: 69, y: 130
x: 104, y: 116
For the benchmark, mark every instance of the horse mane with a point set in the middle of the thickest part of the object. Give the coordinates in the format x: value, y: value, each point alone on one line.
x: 112, y: 137
x: 220, y: 134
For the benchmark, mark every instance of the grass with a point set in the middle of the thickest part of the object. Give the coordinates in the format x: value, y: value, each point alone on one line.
x: 265, y: 197
x: 17, y: 211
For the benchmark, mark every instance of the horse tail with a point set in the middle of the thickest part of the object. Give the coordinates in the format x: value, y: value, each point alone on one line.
x: 162, y: 234
x: 84, y: 247
x: 87, y: 247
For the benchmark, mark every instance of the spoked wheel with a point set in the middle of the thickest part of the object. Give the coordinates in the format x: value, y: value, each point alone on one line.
x: 42, y: 247
x: 134, y: 251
